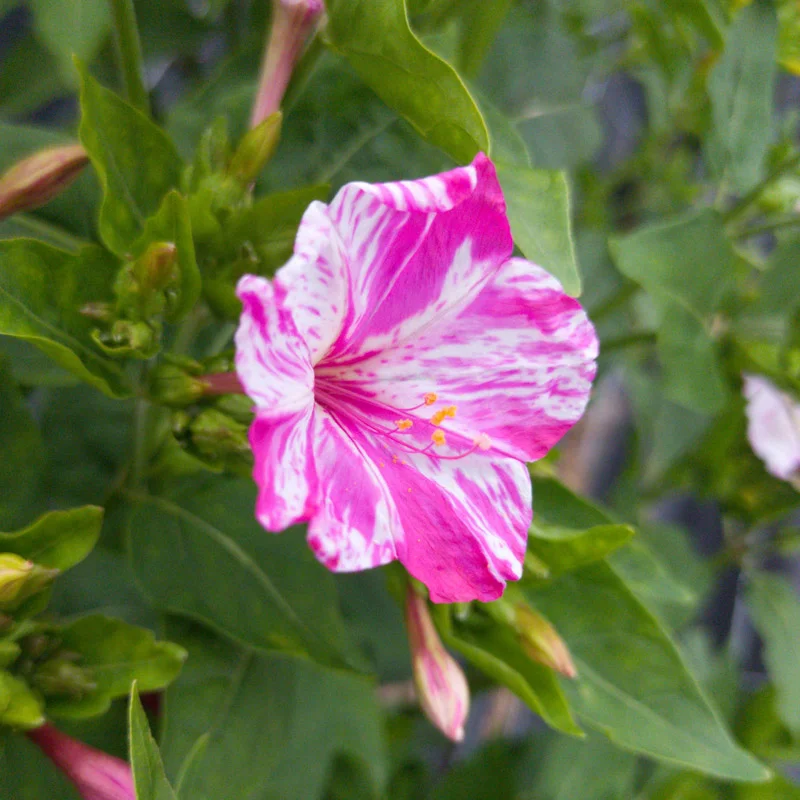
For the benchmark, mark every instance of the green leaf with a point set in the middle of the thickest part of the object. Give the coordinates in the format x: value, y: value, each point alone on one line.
x: 293, y: 714
x: 562, y: 549
x: 58, y: 539
x: 741, y: 89
x: 19, y: 706
x: 539, y: 213
x: 496, y: 651
x: 135, y: 160
x: 489, y: 774
x: 171, y: 223
x: 148, y: 770
x: 207, y: 532
x: 21, y: 455
x: 632, y: 683
x: 71, y: 27
x: 687, y: 259
x: 379, y: 44
x: 480, y: 22
x: 776, y: 613
x: 114, y: 654
x: 42, y: 290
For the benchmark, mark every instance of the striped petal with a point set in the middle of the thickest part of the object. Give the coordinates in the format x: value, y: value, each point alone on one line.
x: 517, y: 363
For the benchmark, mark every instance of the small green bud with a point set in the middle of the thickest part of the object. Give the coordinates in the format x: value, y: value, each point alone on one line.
x: 128, y: 338
x: 236, y: 406
x: 256, y: 149
x: 21, y: 579
x: 156, y: 268
x: 541, y: 642
x: 172, y: 386
x: 62, y: 676
x: 216, y: 434
x: 39, y: 178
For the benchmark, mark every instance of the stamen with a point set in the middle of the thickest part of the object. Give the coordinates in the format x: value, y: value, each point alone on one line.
x: 403, y: 424
x: 482, y: 441
x: 430, y: 398
x: 439, y: 416
x: 438, y: 437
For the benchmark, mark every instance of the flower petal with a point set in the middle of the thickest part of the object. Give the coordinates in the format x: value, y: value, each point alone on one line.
x: 356, y: 524
x: 284, y: 468
x: 411, y: 250
x: 517, y: 362
x: 272, y: 360
x: 773, y: 426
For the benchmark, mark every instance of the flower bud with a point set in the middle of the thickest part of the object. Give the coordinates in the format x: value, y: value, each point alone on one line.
x: 39, y: 178
x: 172, y: 386
x: 292, y: 22
x: 541, y: 642
x: 62, y: 676
x: 441, y: 686
x: 96, y: 775
x: 20, y: 578
x: 256, y: 149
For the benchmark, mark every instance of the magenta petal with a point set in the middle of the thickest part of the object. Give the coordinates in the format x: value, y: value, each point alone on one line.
x: 284, y: 468
x: 518, y: 364
x: 272, y: 360
x: 356, y: 525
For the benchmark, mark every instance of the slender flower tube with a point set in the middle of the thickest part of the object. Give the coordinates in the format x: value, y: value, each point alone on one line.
x: 404, y: 367
x: 773, y: 427
x: 292, y: 22
x: 442, y: 689
x: 97, y: 775
x: 40, y: 177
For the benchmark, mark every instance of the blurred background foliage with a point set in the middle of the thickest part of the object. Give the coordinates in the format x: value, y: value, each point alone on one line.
x: 676, y: 126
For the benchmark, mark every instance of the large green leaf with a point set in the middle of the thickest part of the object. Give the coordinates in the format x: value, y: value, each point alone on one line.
x: 135, y: 160
x: 776, y: 612
x: 21, y: 456
x: 632, y: 683
x: 58, y: 539
x: 274, y: 722
x: 148, y: 770
x: 741, y: 89
x: 377, y: 41
x: 539, y: 212
x: 206, y: 531
x: 114, y: 654
x: 42, y: 292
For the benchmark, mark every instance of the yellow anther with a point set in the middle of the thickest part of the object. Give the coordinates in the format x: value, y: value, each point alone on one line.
x: 438, y: 437
x: 482, y: 441
x: 438, y: 417
x: 450, y: 411
x: 429, y: 398
x: 403, y: 424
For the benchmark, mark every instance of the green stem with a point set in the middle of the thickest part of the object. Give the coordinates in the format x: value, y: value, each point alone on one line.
x: 129, y: 52
x: 745, y: 202
x: 768, y: 227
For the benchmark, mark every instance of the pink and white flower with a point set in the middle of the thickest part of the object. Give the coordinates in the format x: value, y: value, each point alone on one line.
x: 773, y: 427
x: 404, y: 368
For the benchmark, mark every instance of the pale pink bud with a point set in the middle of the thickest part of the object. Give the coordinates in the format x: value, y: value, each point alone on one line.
x: 541, y: 642
x: 292, y: 22
x: 38, y: 178
x: 97, y: 775
x: 773, y: 427
x: 442, y: 688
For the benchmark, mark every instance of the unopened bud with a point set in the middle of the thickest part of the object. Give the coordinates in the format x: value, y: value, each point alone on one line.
x: 156, y: 268
x: 541, y: 642
x: 97, y: 775
x: 217, y: 436
x: 256, y: 149
x: 62, y: 676
x: 292, y: 22
x: 172, y: 386
x: 39, y: 178
x: 21, y: 579
x: 127, y: 338
x: 442, y: 688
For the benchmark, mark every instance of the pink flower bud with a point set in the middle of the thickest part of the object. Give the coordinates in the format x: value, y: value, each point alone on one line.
x: 39, y: 178
x: 441, y: 686
x: 773, y: 427
x: 292, y: 22
x: 97, y: 775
